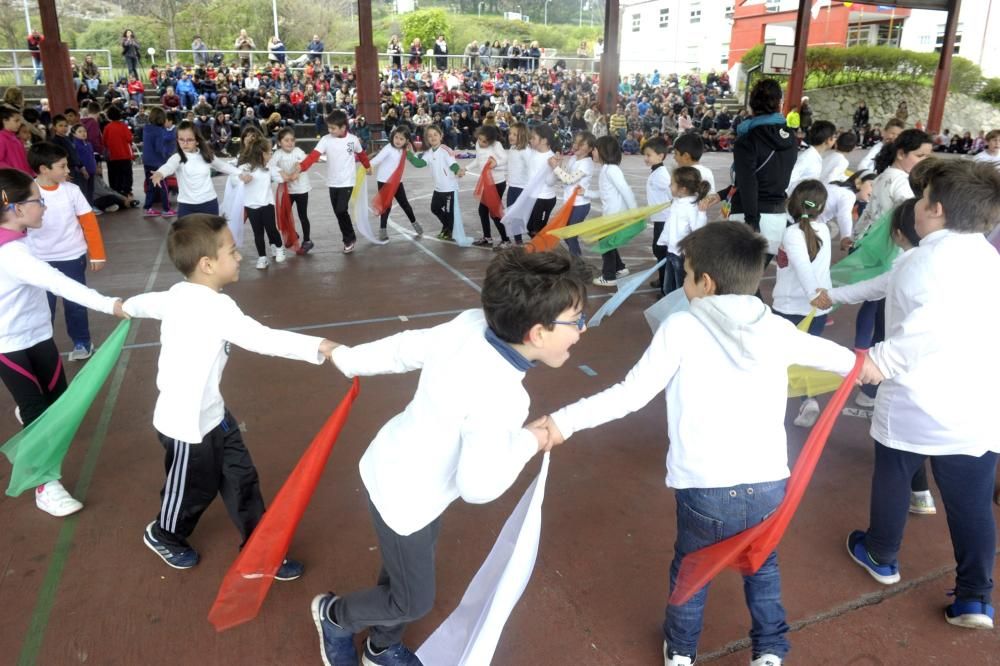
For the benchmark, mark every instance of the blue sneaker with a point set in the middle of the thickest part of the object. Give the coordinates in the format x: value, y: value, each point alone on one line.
x: 81, y: 352
x: 336, y: 644
x: 289, y: 570
x: 887, y: 574
x: 969, y: 614
x: 178, y: 558
x: 394, y: 655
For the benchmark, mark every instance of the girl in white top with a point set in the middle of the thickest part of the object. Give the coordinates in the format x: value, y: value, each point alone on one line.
x: 445, y: 172
x: 286, y: 160
x: 258, y: 197
x: 804, y: 269
x: 616, y: 196
x: 518, y: 166
x: 843, y: 199
x: 30, y: 365
x: 687, y: 189
x: 577, y: 172
x: 542, y: 140
x: 193, y: 163
x: 489, y: 150
x: 385, y: 164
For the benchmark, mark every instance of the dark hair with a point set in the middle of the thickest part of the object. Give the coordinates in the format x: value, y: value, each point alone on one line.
x: 192, y: 237
x: 992, y: 134
x: 204, y: 147
x: 546, y: 132
x: 70, y: 110
x: 489, y: 132
x: 401, y: 130
x: 253, y: 150
x: 855, y: 180
x: 45, y: 154
x: 690, y: 144
x: 58, y: 118
x: 969, y: 193
x: 336, y: 118
x: 820, y: 132
x: 805, y: 204
x: 907, y: 141
x: 895, y: 122
x: 690, y: 179
x: 157, y: 116
x: 527, y: 288
x: 730, y: 252
x: 8, y: 112
x: 72, y: 130
x: 282, y: 133
x: 113, y: 114
x: 846, y: 142
x: 658, y: 145
x: 765, y: 97
x: 15, y: 185
x: 588, y: 139
x: 905, y: 222
x: 609, y: 150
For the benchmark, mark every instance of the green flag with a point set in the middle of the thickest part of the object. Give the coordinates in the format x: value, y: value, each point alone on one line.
x: 37, y: 451
x: 873, y: 255
x: 621, y: 237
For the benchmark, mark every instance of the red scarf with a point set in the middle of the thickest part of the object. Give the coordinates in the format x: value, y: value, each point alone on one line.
x: 486, y: 192
x: 286, y: 223
x: 383, y: 199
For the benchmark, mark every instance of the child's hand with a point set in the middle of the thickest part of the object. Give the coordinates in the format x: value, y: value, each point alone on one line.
x: 245, y: 177
x: 846, y: 243
x: 120, y: 311
x: 822, y: 300
x: 96, y: 265
x: 156, y: 178
x: 553, y: 161
x: 370, y: 170
x: 326, y: 348
x: 710, y: 200
x: 461, y: 172
x: 546, y: 432
x: 870, y: 373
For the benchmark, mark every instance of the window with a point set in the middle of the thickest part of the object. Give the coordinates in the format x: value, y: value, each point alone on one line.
x: 724, y: 58
x: 926, y: 40
x: 773, y: 6
x: 859, y: 36
x: 695, y: 16
x: 884, y: 38
x: 664, y: 18
x: 730, y: 11
x: 636, y: 20
x: 939, y: 44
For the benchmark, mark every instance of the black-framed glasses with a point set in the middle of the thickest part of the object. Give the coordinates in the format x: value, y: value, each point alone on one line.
x: 580, y: 322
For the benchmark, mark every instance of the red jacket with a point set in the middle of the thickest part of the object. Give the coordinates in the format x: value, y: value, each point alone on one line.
x: 118, y: 141
x: 136, y: 87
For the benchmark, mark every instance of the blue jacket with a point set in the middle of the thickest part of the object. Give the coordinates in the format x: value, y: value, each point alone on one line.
x: 185, y: 86
x: 154, y: 152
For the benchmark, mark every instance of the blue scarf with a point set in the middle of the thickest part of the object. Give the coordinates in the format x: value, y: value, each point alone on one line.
x: 512, y: 356
x: 756, y: 121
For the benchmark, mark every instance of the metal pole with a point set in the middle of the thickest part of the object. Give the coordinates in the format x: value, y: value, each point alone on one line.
x: 274, y: 11
x: 27, y: 16
x: 579, y: 22
x: 546, y: 19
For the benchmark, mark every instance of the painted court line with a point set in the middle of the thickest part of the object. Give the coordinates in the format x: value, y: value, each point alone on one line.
x: 457, y: 273
x: 587, y: 370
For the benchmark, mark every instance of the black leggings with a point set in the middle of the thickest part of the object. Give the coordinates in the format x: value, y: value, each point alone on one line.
x: 540, y: 215
x: 443, y: 208
x: 34, y: 377
x: 262, y: 221
x: 301, y: 201
x: 340, y: 199
x: 403, y: 202
x: 484, y: 216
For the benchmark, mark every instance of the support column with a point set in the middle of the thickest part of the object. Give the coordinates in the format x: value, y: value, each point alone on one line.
x: 940, y: 93
x: 366, y: 72
x: 607, y: 92
x: 797, y: 79
x: 55, y: 61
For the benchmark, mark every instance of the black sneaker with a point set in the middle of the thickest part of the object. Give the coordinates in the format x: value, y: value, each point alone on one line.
x: 289, y: 570
x: 336, y: 644
x: 306, y: 246
x: 394, y: 655
x: 417, y: 228
x: 483, y: 242
x: 178, y: 558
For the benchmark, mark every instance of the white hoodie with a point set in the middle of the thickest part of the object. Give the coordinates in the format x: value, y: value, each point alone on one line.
x: 724, y: 365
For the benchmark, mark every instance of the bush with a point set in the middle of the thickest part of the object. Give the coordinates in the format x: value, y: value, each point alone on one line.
x: 991, y: 92
x: 427, y: 24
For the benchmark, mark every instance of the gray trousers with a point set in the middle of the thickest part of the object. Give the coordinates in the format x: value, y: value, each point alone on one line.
x: 405, y: 588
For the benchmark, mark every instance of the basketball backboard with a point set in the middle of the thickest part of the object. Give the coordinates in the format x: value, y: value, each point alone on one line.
x: 778, y: 59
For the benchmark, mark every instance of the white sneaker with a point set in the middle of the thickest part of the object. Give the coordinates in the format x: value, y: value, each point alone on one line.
x: 862, y: 400
x: 262, y: 263
x: 808, y: 413
x: 676, y: 660
x: 279, y: 254
x: 17, y: 415
x: 922, y: 503
x: 53, y: 499
x: 113, y: 208
x: 766, y: 660
x: 600, y: 281
x: 622, y: 273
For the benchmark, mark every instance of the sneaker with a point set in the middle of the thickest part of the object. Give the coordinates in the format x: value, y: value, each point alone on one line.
x: 766, y: 660
x: 178, y: 558
x: 97, y: 211
x: 169, y: 213
x: 383, y: 234
x: 81, y: 352
x: 262, y: 263
x: 54, y: 500
x: 133, y: 203
x: 677, y: 659
x: 149, y: 212
x: 394, y: 655
x: 483, y: 242
x: 335, y: 643
x: 289, y: 570
x: 348, y: 248
x: 306, y: 246
x: 419, y: 229
x: 922, y: 503
x: 808, y: 413
x: 113, y: 208
x: 969, y: 614
x: 601, y: 281
x: 622, y: 273
x: 17, y: 415
x: 279, y: 254
x: 887, y: 574
x: 445, y: 236
x: 862, y: 399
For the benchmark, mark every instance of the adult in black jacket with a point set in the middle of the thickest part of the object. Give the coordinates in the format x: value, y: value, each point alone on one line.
x: 860, y: 118
x: 763, y: 158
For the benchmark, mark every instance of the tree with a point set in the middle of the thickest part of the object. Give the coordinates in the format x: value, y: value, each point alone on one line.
x: 426, y: 24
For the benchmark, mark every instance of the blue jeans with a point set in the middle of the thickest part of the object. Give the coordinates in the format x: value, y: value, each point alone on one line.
x: 706, y: 516
x: 77, y: 324
x: 869, y: 329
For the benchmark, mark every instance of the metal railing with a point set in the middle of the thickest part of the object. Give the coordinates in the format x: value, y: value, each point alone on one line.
x: 20, y: 64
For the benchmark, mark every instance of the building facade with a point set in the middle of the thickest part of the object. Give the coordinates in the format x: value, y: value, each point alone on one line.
x: 676, y: 36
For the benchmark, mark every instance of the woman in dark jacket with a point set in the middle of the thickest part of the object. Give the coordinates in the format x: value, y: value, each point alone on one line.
x: 132, y: 52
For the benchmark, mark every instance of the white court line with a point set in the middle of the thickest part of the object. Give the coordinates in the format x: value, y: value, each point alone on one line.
x: 457, y: 273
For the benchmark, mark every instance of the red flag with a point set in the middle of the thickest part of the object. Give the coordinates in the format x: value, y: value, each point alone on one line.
x: 747, y: 550
x: 383, y: 200
x: 543, y: 240
x: 486, y: 192
x: 284, y: 219
x: 249, y: 578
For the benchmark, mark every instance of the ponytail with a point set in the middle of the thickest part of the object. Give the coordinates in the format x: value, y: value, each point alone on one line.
x: 689, y: 179
x: 907, y: 141
x: 805, y: 204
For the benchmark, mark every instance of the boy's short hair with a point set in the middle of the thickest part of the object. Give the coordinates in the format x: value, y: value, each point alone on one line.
x: 690, y: 144
x: 992, y: 134
x: 820, y: 132
x: 895, y: 122
x: 192, y: 237
x: 969, y: 193
x: 45, y: 154
x: 336, y: 118
x: 526, y: 288
x: 846, y: 142
x: 58, y: 118
x: 731, y: 252
x: 657, y: 145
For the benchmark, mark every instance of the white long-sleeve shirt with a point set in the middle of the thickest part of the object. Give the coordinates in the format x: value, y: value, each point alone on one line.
x: 576, y: 173
x: 386, y: 161
x: 835, y: 167
x: 439, y: 162
x: 197, y: 326
x: 258, y: 192
x: 889, y: 189
x: 683, y: 217
x: 449, y: 441
x: 540, y: 162
x: 616, y: 195
x: 839, y: 208
x: 287, y: 161
x: 499, y: 154
x: 941, y: 320
x: 874, y: 289
x: 809, y: 164
x: 194, y: 177
x: 518, y: 166
x: 25, y: 319
x: 724, y: 365
x: 658, y: 192
x: 797, y: 283
x: 867, y: 162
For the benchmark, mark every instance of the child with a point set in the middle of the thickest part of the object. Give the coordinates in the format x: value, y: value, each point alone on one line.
x: 616, y: 196
x: 893, y: 127
x: 809, y: 163
x: 518, y: 165
x: 938, y: 321
x: 489, y: 150
x: 342, y: 150
x: 687, y: 190
x: 157, y: 147
x: 532, y: 312
x: 803, y: 269
x: 258, y: 198
x: 13, y: 154
x: 991, y: 155
x: 688, y: 150
x: 193, y: 163
x: 30, y: 366
x: 69, y: 234
x: 386, y: 163
x: 286, y: 160
x: 88, y: 163
x: 118, y: 142
x: 658, y: 188
x: 62, y: 137
x: 845, y: 201
x: 543, y: 142
x: 728, y: 468
x: 575, y: 173
x: 445, y: 171
x: 205, y: 453
x: 835, y: 164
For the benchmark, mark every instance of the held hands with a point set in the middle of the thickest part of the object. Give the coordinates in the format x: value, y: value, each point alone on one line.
x: 120, y: 311
x: 870, y: 373
x: 846, y: 243
x: 710, y: 200
x: 822, y: 300
x: 554, y: 161
x: 326, y: 348
x: 546, y: 432
x: 461, y: 172
x: 370, y: 171
x: 245, y: 177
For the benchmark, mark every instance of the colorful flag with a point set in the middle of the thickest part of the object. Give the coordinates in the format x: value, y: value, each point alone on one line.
x: 359, y: 203
x: 486, y: 192
x: 544, y: 240
x: 674, y: 302
x: 246, y: 583
x: 626, y: 288
x: 872, y: 256
x: 621, y: 237
x: 383, y: 198
x: 597, y: 228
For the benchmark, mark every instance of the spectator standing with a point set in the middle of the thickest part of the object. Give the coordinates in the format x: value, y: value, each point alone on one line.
x: 276, y: 50
x: 861, y: 119
x: 805, y: 115
x: 395, y: 51
x: 35, y: 40
x: 416, y: 53
x: 316, y: 48
x: 244, y: 44
x: 132, y: 52
x: 441, y: 53
x: 200, y: 50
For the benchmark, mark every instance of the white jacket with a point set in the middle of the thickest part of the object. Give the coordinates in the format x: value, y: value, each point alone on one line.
x: 576, y: 173
x: 194, y: 177
x: 518, y: 167
x: 683, y: 217
x: 658, y: 192
x: 797, y: 283
x: 499, y: 154
x: 616, y: 195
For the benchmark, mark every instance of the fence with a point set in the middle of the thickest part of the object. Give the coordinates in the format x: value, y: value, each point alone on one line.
x: 19, y: 63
